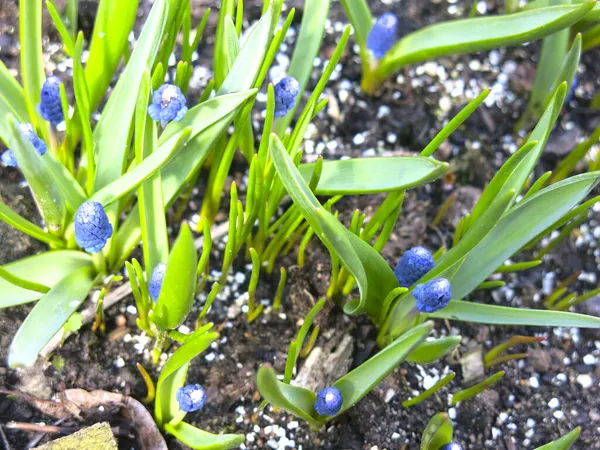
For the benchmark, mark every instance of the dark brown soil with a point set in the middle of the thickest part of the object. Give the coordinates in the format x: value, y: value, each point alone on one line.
x: 515, y: 413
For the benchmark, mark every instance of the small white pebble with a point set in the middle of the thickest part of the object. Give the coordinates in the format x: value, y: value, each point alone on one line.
x: 534, y: 382
x: 558, y: 414
x: 554, y: 403
x: 585, y: 381
x: 589, y: 360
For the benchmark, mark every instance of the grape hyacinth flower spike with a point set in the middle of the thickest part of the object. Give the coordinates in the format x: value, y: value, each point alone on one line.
x: 156, y: 280
x: 8, y: 157
x: 433, y: 295
x: 415, y: 263
x: 382, y: 35
x: 451, y: 446
x: 92, y: 227
x: 329, y: 402
x: 50, y: 106
x: 286, y: 92
x: 191, y: 398
x: 168, y: 103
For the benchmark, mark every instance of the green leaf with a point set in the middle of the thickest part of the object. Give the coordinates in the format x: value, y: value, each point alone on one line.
x: 112, y: 26
x: 437, y: 433
x: 504, y: 315
x: 358, y: 383
x: 172, y: 376
x: 220, y: 63
x: 14, y: 97
x: 179, y: 285
x: 47, y: 268
x: 374, y: 276
x: 371, y: 175
x: 431, y: 351
x: 66, y: 38
x: 48, y: 316
x: 294, y: 399
x: 66, y: 184
x: 564, y: 443
x: 48, y: 197
x: 518, y: 226
x: 360, y: 17
x: 112, y: 133
x: 203, y: 440
x: 16, y: 221
x: 479, y: 34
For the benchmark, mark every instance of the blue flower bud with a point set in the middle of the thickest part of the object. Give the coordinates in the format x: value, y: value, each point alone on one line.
x: 571, y: 94
x: 286, y: 92
x: 382, y: 35
x: 329, y: 401
x: 415, y: 263
x: 50, y: 106
x: 92, y: 227
x: 156, y: 280
x: 191, y: 397
x: 451, y: 446
x: 433, y: 295
x: 168, y: 103
x: 8, y: 157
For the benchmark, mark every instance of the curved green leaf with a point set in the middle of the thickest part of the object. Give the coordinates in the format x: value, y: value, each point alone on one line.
x: 504, y: 315
x: 14, y: 96
x: 20, y: 223
x: 437, y: 433
x: 479, y: 34
x: 374, y: 276
x: 203, y: 440
x: 431, y: 351
x: 172, y: 376
x: 371, y: 175
x: 32, y: 58
x: 564, y: 443
x: 46, y: 268
x: 179, y: 285
x: 65, y: 37
x: 360, y: 17
x: 359, y: 382
x: 48, y: 316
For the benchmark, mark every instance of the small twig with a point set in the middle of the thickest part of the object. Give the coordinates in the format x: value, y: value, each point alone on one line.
x: 5, y: 443
x: 25, y: 426
x: 39, y: 436
x: 113, y: 297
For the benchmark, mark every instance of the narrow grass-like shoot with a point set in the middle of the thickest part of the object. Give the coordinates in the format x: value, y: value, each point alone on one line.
x: 517, y: 267
x: 303, y: 244
x: 280, y: 288
x: 429, y: 392
x: 491, y: 284
x: 494, y: 353
x: 564, y: 233
x: 466, y: 394
x: 149, y: 384
x: 444, y: 209
x: 99, y: 321
x: 539, y: 184
x: 216, y: 288
x: 231, y: 235
x: 253, y: 311
x: 311, y: 342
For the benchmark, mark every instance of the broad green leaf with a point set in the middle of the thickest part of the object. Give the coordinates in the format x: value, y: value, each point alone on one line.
x: 431, y: 351
x: 504, y: 315
x: 112, y: 133
x: 48, y: 197
x: 48, y: 316
x: 13, y: 95
x: 371, y: 175
x: 203, y: 440
x: 518, y: 226
x: 479, y: 34
x: 172, y: 376
x: 374, y: 276
x: 112, y: 26
x: 437, y: 433
x: 308, y: 44
x: 20, y: 223
x: 360, y: 17
x: 179, y: 285
x: 47, y: 268
x: 68, y: 186
x: 564, y: 443
x: 360, y: 381
x: 294, y: 399
x: 136, y: 176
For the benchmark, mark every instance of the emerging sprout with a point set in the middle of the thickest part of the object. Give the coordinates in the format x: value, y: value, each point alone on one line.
x: 433, y: 295
x: 8, y: 157
x: 168, y: 103
x: 286, y: 92
x: 451, y: 446
x: 329, y: 401
x: 50, y: 106
x: 156, y: 280
x: 383, y: 35
x: 415, y: 263
x: 92, y: 227
x: 191, y: 397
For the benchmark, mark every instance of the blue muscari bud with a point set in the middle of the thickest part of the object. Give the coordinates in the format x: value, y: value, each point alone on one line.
x: 8, y: 157
x: 191, y: 397
x: 433, y: 295
x: 168, y: 103
x: 329, y: 401
x: 50, y: 106
x: 156, y: 280
x: 382, y: 35
x: 92, y: 227
x: 571, y: 94
x: 451, y: 446
x: 286, y: 92
x: 415, y: 263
